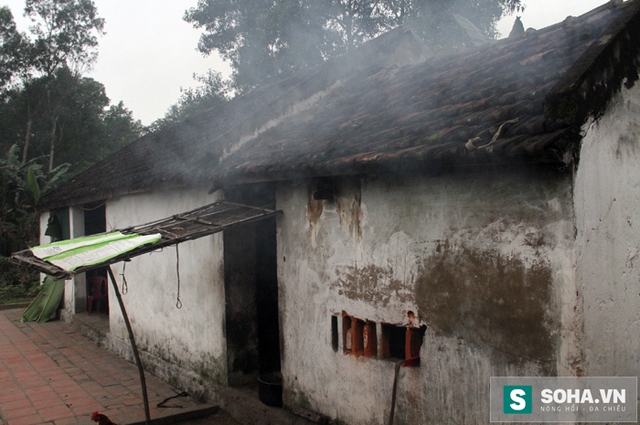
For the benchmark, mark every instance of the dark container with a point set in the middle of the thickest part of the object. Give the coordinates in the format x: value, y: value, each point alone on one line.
x: 270, y: 390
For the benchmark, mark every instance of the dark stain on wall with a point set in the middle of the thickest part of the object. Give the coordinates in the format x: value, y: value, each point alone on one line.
x: 370, y: 283
x: 491, y: 301
x: 343, y: 194
x: 349, y: 207
x: 314, y: 209
x: 627, y: 146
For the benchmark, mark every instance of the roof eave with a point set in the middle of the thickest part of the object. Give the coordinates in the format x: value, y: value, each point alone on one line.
x: 554, y: 150
x: 53, y: 201
x: 611, y: 61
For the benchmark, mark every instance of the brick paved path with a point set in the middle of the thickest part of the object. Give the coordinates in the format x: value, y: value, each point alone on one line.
x: 50, y: 374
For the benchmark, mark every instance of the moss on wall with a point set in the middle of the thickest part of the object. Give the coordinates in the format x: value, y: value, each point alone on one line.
x: 490, y: 300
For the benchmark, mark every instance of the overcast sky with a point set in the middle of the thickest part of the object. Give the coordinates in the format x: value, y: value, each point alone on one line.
x: 149, y: 52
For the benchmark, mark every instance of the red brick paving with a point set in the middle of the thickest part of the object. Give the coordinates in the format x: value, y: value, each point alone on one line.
x: 50, y: 374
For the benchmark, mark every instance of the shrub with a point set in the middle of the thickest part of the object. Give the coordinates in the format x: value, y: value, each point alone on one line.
x: 17, y: 283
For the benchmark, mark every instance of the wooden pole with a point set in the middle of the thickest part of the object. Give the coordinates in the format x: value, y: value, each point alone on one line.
x: 136, y: 355
x: 395, y: 390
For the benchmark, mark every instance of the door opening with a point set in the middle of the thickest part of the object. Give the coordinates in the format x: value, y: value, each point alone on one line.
x: 251, y: 292
x: 95, y: 221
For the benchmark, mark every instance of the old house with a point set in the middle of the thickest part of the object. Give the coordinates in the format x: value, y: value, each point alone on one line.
x: 478, y: 210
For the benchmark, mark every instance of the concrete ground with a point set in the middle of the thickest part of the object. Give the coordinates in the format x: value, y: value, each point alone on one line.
x: 50, y: 374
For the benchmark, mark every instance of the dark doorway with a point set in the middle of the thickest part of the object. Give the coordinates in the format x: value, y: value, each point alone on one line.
x: 95, y: 218
x: 251, y: 291
x: 95, y: 221
x: 58, y: 225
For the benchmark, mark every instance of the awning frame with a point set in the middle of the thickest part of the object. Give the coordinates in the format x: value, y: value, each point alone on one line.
x: 194, y: 224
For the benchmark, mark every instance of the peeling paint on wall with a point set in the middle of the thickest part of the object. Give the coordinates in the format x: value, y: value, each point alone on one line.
x: 370, y: 283
x: 342, y: 197
x: 314, y: 213
x: 349, y: 208
x: 483, y: 260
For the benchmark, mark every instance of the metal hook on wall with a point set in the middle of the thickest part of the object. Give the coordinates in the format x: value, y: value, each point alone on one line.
x: 125, y: 286
x: 178, y: 302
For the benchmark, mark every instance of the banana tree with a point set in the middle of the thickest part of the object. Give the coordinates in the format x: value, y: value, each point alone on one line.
x: 21, y: 187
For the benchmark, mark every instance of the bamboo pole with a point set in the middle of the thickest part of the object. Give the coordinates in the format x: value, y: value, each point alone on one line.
x: 136, y: 355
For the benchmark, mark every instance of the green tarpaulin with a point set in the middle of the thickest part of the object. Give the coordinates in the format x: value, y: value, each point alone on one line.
x: 89, y: 250
x: 44, y: 306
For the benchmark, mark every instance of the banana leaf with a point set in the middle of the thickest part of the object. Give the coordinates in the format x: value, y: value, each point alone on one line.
x: 32, y: 184
x: 44, y: 306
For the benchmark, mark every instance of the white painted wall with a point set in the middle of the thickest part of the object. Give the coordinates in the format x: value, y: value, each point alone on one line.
x: 75, y: 291
x: 44, y: 239
x: 607, y: 200
x: 175, y: 342
x: 376, y: 258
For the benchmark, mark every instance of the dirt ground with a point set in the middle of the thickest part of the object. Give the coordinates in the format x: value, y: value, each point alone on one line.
x: 220, y: 418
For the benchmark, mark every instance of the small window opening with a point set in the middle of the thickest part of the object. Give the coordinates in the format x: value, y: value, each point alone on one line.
x: 347, y: 335
x: 352, y: 335
x: 401, y: 342
x: 334, y: 333
x: 324, y: 190
x: 357, y: 328
x: 393, y: 341
x: 360, y: 338
x: 370, y: 340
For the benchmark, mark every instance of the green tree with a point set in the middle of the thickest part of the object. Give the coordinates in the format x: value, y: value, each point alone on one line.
x: 63, y: 35
x: 21, y: 187
x: 52, y: 119
x: 265, y: 39
x: 76, y: 125
x: 48, y: 108
x: 120, y: 128
x: 434, y: 20
x: 11, y: 48
x: 211, y: 92
x: 262, y: 39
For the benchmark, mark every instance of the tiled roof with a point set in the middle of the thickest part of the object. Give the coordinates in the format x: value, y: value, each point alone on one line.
x: 360, y: 115
x: 449, y: 109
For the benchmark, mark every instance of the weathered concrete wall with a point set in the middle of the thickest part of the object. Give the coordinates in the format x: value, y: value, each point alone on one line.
x: 484, y: 260
x: 185, y: 346
x: 607, y: 199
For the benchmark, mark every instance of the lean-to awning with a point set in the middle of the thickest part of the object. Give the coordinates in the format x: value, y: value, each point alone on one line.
x: 65, y: 258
